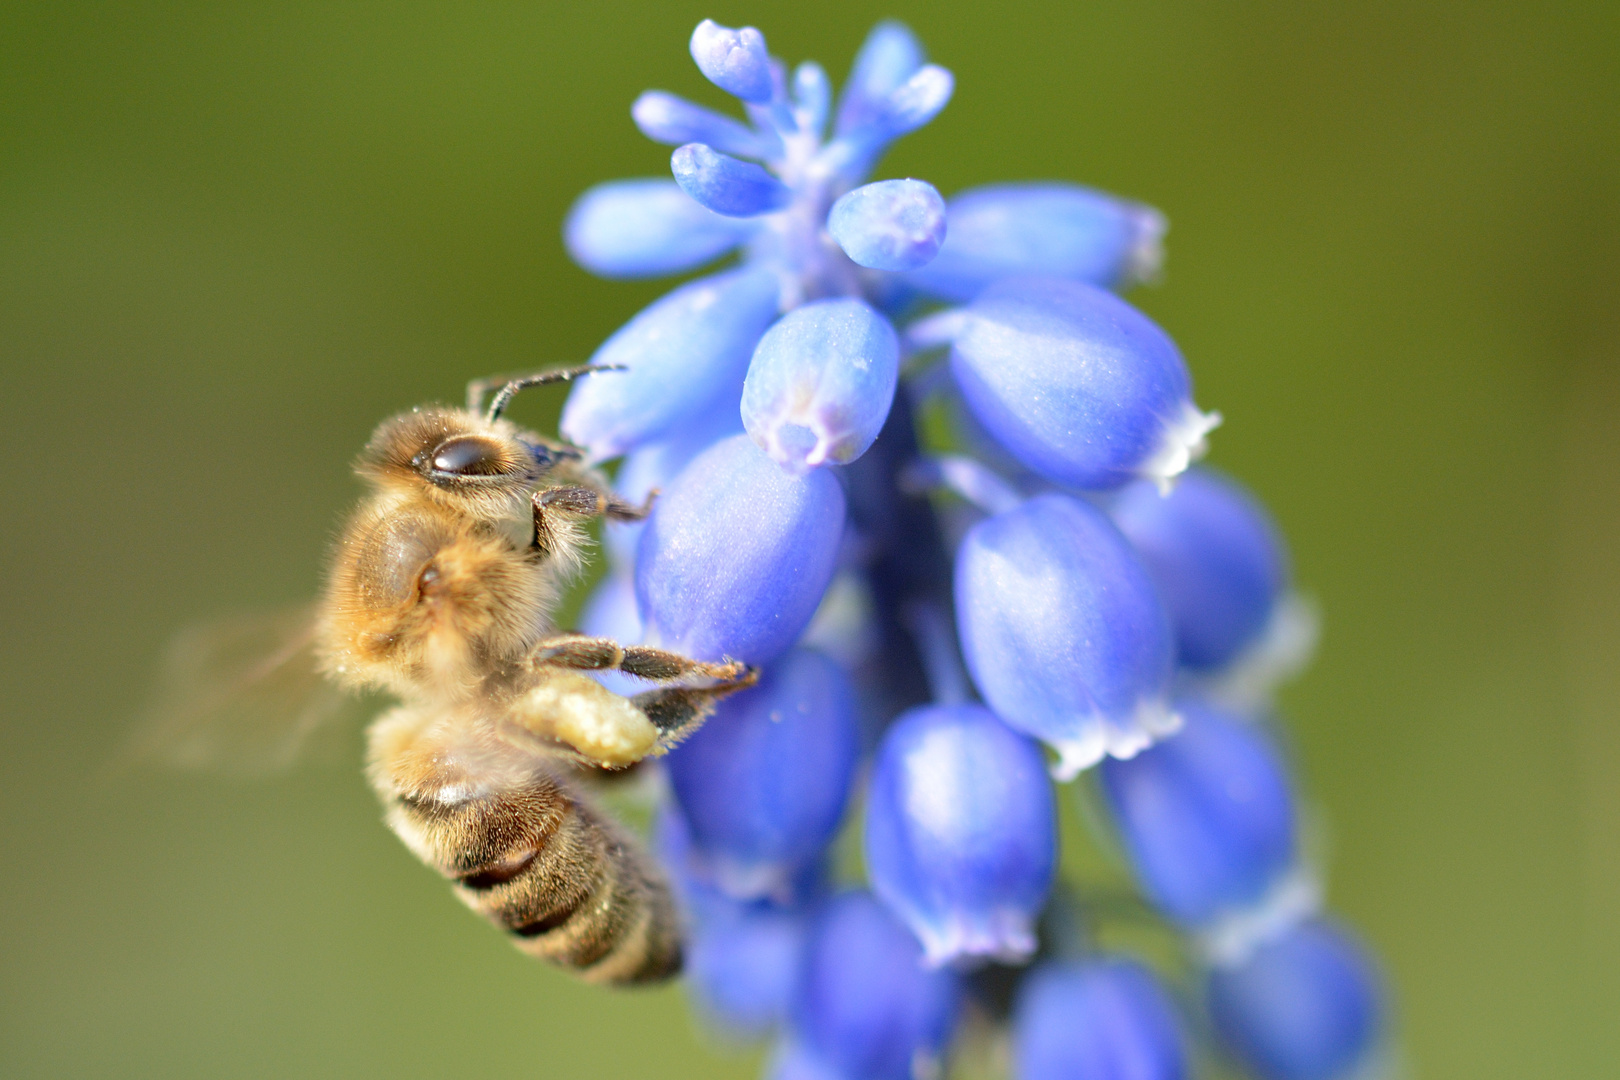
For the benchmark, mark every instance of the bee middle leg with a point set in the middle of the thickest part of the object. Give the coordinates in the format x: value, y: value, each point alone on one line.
x: 658, y: 665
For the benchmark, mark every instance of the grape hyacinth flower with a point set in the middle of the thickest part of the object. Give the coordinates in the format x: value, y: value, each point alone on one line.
x: 1043, y: 589
x: 1105, y: 1018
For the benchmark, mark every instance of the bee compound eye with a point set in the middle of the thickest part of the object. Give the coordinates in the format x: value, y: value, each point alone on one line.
x: 469, y: 455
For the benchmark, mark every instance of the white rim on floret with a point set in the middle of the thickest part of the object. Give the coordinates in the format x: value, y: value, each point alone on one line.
x: 1116, y: 737
x: 1283, y: 650
x: 1184, y: 442
x: 1232, y: 938
x: 1005, y: 935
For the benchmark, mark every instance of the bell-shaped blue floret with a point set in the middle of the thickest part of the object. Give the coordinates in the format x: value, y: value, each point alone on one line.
x: 1100, y: 1019
x: 890, y: 55
x: 646, y: 228
x: 1206, y: 817
x: 1042, y: 230
x: 743, y: 969
x: 961, y: 837
x: 1063, y: 631
x: 812, y: 96
x: 726, y: 185
x: 737, y: 554
x: 1081, y: 387
x: 821, y: 383
x: 734, y: 60
x: 791, y: 1060
x: 762, y: 785
x: 1217, y: 558
x: 866, y: 1006
x: 889, y: 225
x: 652, y: 467
x: 674, y: 121
x: 685, y: 355
x: 1305, y: 1006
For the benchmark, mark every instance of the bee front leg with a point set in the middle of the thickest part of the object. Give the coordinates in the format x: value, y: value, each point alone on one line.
x: 584, y: 502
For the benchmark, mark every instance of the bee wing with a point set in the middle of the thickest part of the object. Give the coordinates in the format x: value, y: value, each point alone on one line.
x: 242, y: 694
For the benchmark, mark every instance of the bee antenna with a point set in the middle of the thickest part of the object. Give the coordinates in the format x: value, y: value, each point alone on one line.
x: 503, y: 397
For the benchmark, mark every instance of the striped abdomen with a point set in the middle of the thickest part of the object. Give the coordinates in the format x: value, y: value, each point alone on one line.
x: 527, y: 851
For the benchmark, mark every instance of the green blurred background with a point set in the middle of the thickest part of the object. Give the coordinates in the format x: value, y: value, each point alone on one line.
x: 232, y: 237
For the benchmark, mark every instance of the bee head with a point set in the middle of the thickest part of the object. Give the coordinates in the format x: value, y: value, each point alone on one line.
x: 455, y: 457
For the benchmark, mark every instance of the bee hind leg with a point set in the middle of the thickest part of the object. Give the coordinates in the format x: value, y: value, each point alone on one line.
x: 677, y: 711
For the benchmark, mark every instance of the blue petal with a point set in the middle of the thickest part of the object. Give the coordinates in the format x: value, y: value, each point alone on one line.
x: 1306, y: 1006
x: 960, y: 832
x: 743, y: 970
x: 1077, y: 384
x: 653, y: 466
x: 762, y: 785
x: 889, y: 225
x: 1042, y: 230
x: 866, y: 1006
x: 675, y: 121
x: 1216, y: 556
x: 1102, y: 1019
x: 1206, y: 817
x: 890, y: 56
x: 918, y: 100
x: 821, y: 383
x: 686, y: 353
x: 737, y: 554
x: 734, y: 60
x: 725, y: 185
x: 1063, y: 632
x: 812, y: 95
x: 646, y: 228
x: 790, y: 1060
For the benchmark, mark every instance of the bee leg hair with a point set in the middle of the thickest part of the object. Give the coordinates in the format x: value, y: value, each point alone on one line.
x: 580, y: 501
x: 677, y: 711
x: 657, y: 665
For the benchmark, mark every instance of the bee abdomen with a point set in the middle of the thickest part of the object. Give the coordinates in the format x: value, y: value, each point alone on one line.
x: 546, y: 866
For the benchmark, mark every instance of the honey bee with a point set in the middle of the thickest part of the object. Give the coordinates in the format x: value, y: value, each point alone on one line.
x: 440, y: 593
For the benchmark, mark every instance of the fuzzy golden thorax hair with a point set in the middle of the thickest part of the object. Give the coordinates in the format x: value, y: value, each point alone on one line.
x: 427, y: 603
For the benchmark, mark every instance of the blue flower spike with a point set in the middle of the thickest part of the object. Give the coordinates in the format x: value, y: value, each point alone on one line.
x: 1081, y: 387
x: 762, y: 785
x: 821, y: 383
x: 961, y: 835
x: 1217, y: 557
x: 734, y: 60
x: 890, y: 225
x: 1063, y: 631
x: 684, y: 357
x: 1042, y: 230
x: 1206, y: 818
x: 1101, y: 597
x: 1105, y: 1018
x: 1305, y: 1006
x: 737, y: 554
x: 867, y: 1008
x: 646, y: 228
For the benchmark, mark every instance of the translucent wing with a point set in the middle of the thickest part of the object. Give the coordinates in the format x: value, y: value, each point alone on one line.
x: 241, y: 694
